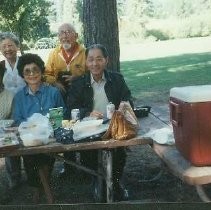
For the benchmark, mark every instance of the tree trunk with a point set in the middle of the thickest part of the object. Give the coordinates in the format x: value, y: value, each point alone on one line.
x: 100, y: 25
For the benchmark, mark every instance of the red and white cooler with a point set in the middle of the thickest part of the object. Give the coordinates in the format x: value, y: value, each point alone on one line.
x: 190, y: 110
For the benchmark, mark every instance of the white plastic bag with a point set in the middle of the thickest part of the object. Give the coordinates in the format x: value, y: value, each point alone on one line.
x: 36, y: 130
x: 162, y: 135
x: 128, y: 113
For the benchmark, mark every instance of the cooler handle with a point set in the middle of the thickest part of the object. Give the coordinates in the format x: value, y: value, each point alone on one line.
x: 176, y: 113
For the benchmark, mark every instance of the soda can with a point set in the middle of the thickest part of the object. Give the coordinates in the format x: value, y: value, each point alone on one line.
x: 110, y: 110
x: 75, y: 114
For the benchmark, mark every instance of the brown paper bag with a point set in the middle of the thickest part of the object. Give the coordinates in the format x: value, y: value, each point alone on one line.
x: 123, y: 125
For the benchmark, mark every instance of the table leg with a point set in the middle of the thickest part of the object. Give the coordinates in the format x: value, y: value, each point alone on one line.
x: 99, y: 188
x: 107, y: 163
x: 44, y: 176
x: 202, y: 194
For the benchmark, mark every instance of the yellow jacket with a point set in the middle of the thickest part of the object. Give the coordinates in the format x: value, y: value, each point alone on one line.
x: 56, y: 63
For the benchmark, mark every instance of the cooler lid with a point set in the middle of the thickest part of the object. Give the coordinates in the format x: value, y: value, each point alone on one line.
x: 199, y: 93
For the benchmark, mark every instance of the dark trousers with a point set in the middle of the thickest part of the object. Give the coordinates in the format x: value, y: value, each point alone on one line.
x: 13, y: 169
x: 72, y: 157
x: 32, y: 163
x: 90, y: 159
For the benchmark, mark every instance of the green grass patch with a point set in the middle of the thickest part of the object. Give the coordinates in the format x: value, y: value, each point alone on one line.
x: 150, y: 80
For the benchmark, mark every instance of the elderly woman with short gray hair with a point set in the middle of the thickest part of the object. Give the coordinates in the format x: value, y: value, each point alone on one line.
x: 9, y: 46
x: 12, y: 82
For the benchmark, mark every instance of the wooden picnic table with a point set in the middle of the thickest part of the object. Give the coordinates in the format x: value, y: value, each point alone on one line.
x: 170, y: 156
x: 104, y: 148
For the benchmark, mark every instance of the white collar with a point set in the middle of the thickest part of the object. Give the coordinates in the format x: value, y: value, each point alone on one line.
x: 9, y: 68
x: 102, y: 79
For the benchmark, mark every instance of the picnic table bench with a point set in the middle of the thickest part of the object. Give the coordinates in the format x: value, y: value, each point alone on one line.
x: 182, y: 168
x: 177, y: 164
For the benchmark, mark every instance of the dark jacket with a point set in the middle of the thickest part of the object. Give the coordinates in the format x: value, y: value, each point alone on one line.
x: 80, y: 92
x: 2, y: 70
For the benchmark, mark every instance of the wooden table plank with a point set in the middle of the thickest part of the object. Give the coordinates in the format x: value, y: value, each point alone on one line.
x: 182, y: 168
x: 57, y: 147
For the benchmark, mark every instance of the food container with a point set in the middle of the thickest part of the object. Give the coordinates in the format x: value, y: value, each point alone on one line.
x: 142, y: 111
x: 35, y: 131
x: 190, y: 113
x: 6, y: 123
x: 30, y: 140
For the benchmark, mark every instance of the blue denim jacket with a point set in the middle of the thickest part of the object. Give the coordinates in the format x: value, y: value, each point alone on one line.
x: 25, y: 104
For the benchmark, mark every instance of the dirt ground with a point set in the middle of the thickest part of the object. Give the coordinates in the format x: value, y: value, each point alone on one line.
x: 142, y: 165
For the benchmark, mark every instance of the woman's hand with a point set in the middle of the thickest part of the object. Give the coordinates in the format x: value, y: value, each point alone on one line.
x: 96, y: 114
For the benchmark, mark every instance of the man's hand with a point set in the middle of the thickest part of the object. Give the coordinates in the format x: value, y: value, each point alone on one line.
x: 96, y: 114
x: 68, y: 78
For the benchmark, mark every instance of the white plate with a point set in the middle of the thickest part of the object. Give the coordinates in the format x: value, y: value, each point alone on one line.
x: 88, y: 133
x: 86, y: 126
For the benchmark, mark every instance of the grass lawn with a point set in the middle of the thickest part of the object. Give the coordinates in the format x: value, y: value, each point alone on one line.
x: 151, y: 79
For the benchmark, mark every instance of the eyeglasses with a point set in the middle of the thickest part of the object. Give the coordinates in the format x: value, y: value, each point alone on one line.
x: 67, y: 33
x: 7, y: 46
x: 97, y: 60
x: 31, y: 72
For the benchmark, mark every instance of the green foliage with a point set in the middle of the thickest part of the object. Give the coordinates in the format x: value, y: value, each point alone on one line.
x: 164, y: 19
x: 79, y: 9
x: 25, y: 47
x: 133, y: 17
x: 138, y: 19
x: 157, y: 34
x: 138, y: 9
x: 27, y: 19
x: 173, y: 28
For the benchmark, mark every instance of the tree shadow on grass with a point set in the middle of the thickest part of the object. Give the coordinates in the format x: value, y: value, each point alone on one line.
x: 151, y: 80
